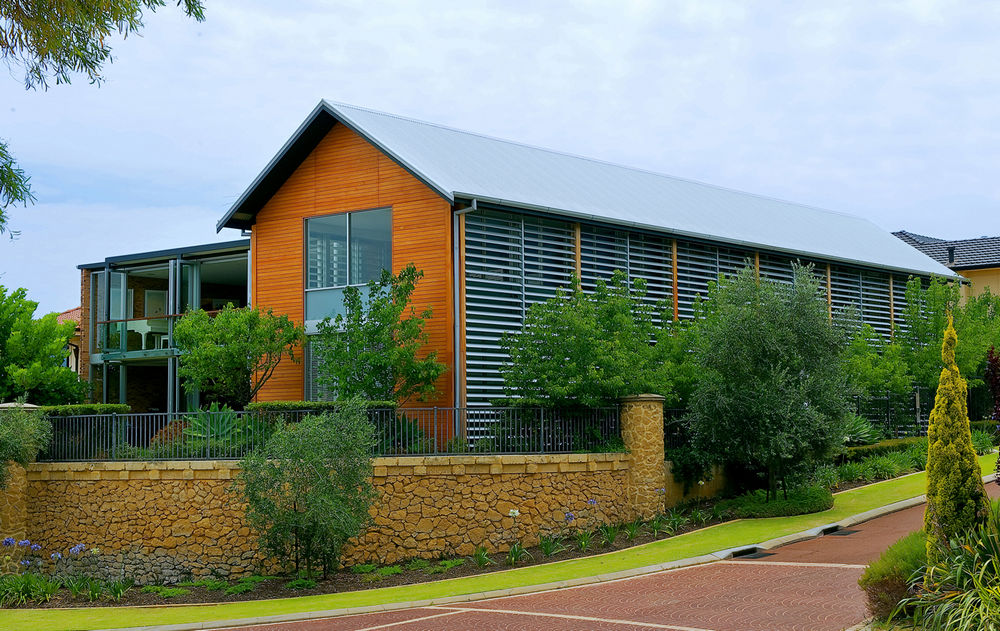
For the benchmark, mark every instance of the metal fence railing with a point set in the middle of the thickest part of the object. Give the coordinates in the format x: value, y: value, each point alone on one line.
x: 896, y: 415
x: 210, y: 435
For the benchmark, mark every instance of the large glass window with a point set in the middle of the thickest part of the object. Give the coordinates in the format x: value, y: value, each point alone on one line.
x: 342, y: 250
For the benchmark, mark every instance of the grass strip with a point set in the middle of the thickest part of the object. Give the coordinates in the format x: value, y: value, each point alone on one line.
x: 699, y: 542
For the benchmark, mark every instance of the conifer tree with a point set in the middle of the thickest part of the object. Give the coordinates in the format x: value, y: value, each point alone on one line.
x: 956, y: 498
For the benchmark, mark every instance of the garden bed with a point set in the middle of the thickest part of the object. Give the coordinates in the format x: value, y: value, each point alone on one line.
x: 678, y: 521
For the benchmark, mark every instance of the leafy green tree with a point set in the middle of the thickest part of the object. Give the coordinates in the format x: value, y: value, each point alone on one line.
x: 374, y: 351
x: 232, y: 354
x: 772, y: 392
x: 54, y: 40
x: 23, y: 433
x: 308, y: 490
x: 956, y: 498
x: 588, y: 349
x: 875, y: 365
x: 32, y: 352
x: 926, y: 316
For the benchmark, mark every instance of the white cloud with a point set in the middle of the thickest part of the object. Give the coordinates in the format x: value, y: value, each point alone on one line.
x: 884, y: 109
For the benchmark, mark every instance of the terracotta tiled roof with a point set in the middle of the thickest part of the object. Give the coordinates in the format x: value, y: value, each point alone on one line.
x: 68, y: 315
x: 968, y: 253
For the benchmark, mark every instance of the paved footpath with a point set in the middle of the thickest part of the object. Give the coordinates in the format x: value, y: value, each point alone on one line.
x: 808, y: 586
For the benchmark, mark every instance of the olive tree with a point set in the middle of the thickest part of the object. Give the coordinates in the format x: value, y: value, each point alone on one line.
x: 308, y: 490
x: 772, y: 391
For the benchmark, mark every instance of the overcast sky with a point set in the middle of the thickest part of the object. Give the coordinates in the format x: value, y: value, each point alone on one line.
x: 885, y: 110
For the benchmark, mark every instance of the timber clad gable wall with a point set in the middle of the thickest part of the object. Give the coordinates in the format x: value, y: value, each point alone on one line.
x: 345, y: 173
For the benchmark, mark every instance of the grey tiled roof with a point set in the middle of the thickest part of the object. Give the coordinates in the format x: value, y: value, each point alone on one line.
x: 969, y: 253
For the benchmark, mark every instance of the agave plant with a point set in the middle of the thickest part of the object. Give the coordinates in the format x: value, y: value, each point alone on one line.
x: 216, y: 423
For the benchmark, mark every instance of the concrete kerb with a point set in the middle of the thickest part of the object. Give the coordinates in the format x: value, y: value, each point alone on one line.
x: 728, y: 553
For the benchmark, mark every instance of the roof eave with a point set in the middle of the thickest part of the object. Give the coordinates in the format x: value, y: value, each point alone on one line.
x: 317, y: 124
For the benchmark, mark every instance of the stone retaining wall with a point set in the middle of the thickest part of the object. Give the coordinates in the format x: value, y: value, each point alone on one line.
x: 169, y: 520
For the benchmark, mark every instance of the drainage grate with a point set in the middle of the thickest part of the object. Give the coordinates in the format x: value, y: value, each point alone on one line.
x: 756, y: 555
x: 843, y: 533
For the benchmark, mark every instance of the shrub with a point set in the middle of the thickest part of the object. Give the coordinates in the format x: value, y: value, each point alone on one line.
x: 308, y: 490
x: 689, y: 466
x: 850, y: 472
x: 241, y: 587
x: 882, y: 467
x: 85, y: 409
x: 773, y: 390
x: 23, y: 433
x: 859, y: 431
x: 855, y: 454
x: 301, y: 583
x: 982, y: 442
x: 956, y: 497
x: 315, y: 406
x: 551, y: 544
x: 885, y: 582
x: 799, y: 502
x: 961, y: 592
x: 165, y: 592
x: 826, y: 476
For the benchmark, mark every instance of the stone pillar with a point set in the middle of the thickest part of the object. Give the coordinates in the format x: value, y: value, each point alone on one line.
x: 13, y: 514
x: 642, y: 431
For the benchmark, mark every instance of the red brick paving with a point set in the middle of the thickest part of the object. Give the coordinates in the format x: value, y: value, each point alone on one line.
x: 807, y: 586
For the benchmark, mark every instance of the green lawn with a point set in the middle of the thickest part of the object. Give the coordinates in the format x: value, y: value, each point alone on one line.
x: 697, y: 543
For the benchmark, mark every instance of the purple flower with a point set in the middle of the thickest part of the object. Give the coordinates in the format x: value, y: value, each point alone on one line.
x: 23, y: 543
x: 25, y: 562
x: 77, y: 549
x: 570, y: 517
x: 592, y: 502
x: 8, y: 542
x: 35, y: 547
x: 55, y: 556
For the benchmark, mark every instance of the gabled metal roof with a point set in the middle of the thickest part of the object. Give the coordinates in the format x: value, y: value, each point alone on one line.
x: 463, y: 166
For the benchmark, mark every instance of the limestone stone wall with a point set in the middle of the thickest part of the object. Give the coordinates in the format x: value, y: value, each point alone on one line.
x: 13, y: 514
x: 165, y: 521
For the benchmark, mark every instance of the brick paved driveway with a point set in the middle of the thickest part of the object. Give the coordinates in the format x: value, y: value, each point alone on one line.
x: 808, y: 586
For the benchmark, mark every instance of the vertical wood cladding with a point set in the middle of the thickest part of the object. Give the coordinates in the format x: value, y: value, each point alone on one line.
x: 342, y: 174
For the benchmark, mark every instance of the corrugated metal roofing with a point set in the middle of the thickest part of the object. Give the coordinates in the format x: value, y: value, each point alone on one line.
x: 465, y: 165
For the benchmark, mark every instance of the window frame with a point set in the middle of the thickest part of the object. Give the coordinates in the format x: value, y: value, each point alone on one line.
x: 310, y: 325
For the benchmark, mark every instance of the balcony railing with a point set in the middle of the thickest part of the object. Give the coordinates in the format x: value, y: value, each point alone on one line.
x: 420, y: 431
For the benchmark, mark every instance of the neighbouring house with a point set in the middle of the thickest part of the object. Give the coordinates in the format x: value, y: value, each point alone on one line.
x: 73, y: 343
x: 495, y: 225
x: 977, y: 259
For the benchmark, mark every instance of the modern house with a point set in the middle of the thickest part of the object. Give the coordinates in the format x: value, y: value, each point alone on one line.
x: 494, y: 225
x: 977, y: 259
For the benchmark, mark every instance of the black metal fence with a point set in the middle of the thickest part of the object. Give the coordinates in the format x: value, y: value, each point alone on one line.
x: 413, y: 431
x: 896, y: 415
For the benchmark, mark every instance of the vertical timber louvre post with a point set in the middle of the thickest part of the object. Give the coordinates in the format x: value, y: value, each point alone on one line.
x: 579, y: 252
x: 892, y: 310
x: 829, y: 293
x: 756, y: 264
x: 673, y: 271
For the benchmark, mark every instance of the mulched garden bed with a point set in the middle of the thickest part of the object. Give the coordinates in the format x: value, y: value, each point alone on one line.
x: 345, y: 580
